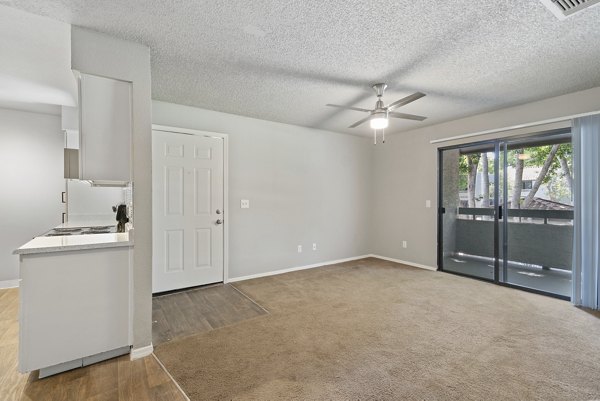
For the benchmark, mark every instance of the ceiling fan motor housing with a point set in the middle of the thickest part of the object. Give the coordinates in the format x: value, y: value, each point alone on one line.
x: 379, y: 89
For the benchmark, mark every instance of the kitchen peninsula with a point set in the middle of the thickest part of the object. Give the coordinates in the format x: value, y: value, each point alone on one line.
x: 75, y: 300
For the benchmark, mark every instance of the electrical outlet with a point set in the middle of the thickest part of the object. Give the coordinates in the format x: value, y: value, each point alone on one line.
x: 299, y: 248
x: 314, y: 246
x: 404, y: 244
x: 245, y: 204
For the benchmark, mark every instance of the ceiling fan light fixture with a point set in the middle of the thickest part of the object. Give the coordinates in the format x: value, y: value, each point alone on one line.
x: 379, y: 116
x: 379, y: 122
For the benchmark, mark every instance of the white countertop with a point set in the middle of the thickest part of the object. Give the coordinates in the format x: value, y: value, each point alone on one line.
x: 65, y: 243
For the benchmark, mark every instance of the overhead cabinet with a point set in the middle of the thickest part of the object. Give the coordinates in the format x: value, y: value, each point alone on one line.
x: 105, y: 111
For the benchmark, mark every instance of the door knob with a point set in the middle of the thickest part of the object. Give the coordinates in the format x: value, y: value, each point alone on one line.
x: 219, y: 221
x: 218, y: 211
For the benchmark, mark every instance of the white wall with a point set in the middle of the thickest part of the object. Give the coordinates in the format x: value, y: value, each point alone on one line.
x: 405, y: 172
x: 103, y: 55
x: 31, y: 178
x: 305, y: 186
x: 36, y: 59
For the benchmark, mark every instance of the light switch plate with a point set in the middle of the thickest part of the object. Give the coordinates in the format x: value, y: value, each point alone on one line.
x: 404, y: 244
x: 245, y: 204
x: 428, y: 203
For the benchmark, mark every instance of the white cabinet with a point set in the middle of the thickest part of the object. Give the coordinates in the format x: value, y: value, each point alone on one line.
x: 73, y: 305
x: 105, y: 111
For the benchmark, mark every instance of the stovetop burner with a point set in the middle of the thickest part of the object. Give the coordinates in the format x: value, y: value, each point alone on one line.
x: 101, y: 228
x: 67, y: 229
x: 59, y: 231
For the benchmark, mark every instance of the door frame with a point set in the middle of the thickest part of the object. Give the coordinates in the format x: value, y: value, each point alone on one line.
x: 498, y: 149
x: 225, y: 138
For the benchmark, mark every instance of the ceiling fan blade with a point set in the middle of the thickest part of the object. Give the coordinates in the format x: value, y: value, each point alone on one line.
x: 349, y: 108
x: 406, y: 116
x: 405, y: 100
x: 364, y: 120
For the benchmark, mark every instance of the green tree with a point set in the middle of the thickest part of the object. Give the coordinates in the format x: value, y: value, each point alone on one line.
x: 463, y: 173
x: 558, y: 189
x: 519, y: 163
x: 565, y: 158
x: 472, y: 163
x: 469, y: 165
x: 485, y: 177
x: 551, y: 158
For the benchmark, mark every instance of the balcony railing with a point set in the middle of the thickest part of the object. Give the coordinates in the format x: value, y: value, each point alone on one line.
x: 529, y: 241
x: 541, y: 214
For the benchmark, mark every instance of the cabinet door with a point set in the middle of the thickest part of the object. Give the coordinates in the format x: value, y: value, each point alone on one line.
x: 105, y: 137
x: 73, y: 305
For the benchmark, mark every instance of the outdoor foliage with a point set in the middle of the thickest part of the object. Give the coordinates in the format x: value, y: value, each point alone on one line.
x: 555, y: 164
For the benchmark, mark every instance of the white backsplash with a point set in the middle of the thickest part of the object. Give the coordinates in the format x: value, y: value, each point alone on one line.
x: 85, y: 202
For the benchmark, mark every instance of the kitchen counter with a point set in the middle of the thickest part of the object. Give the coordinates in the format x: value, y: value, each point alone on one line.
x: 88, y: 223
x: 75, y: 243
x: 74, y: 301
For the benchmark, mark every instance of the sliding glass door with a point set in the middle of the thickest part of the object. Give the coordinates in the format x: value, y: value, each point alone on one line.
x: 506, y: 212
x: 539, y: 218
x: 468, y: 210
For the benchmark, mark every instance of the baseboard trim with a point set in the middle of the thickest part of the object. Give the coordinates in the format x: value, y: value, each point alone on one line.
x: 137, y: 353
x: 403, y: 262
x: 293, y: 269
x: 9, y: 284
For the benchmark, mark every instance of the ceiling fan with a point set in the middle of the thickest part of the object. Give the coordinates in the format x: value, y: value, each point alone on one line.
x: 378, y: 117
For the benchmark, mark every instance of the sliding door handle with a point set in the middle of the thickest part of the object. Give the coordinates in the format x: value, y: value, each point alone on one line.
x: 500, y: 212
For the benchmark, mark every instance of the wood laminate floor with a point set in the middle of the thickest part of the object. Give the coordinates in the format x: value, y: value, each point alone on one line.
x: 117, y: 379
x: 181, y: 314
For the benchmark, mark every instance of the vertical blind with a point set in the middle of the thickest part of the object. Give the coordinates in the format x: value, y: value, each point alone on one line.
x: 586, y: 238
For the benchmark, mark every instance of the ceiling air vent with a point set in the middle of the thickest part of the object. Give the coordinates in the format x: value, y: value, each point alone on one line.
x: 565, y: 8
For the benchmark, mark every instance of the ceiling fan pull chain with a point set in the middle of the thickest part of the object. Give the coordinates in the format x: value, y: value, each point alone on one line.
x: 374, y: 137
x: 383, y: 135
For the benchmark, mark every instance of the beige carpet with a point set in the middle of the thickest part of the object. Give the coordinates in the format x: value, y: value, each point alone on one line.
x: 374, y: 330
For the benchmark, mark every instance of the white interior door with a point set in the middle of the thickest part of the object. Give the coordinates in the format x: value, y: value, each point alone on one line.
x: 188, y: 183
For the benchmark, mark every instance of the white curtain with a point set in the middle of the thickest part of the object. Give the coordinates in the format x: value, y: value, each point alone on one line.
x: 586, y: 194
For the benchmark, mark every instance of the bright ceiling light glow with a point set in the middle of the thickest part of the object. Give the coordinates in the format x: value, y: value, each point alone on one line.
x: 379, y: 122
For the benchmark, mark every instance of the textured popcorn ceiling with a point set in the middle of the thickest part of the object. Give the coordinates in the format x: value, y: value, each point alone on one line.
x: 284, y: 60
